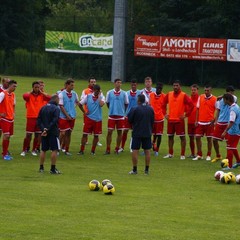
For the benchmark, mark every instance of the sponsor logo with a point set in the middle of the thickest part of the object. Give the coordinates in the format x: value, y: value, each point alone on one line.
x: 146, y: 42
x: 95, y: 42
x: 180, y: 43
x: 213, y: 45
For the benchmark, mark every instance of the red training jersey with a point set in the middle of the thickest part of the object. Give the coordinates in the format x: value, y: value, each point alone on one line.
x: 34, y: 102
x: 156, y: 102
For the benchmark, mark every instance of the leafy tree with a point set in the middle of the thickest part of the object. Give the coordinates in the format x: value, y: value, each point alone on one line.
x: 21, y: 24
x: 80, y: 15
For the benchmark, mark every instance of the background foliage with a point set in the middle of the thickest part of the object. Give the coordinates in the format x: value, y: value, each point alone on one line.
x: 23, y: 24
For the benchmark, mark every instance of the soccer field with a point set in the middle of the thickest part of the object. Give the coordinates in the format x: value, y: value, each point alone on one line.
x: 177, y: 200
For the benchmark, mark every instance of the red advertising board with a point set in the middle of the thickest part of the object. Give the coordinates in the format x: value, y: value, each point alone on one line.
x: 147, y: 46
x: 180, y: 47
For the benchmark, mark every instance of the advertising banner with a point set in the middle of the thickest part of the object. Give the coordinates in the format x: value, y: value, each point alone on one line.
x: 233, y: 52
x: 147, y: 46
x: 180, y: 47
x: 75, y: 42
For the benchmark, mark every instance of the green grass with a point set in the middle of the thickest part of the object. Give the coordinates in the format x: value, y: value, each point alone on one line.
x: 178, y: 200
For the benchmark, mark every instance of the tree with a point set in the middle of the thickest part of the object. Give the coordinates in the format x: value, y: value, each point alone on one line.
x: 80, y: 15
x: 21, y: 24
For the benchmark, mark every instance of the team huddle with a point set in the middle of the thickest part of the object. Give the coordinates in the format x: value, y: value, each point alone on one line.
x: 51, y: 120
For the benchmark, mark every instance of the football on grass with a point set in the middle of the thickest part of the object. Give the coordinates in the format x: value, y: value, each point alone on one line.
x: 109, y: 189
x: 226, y: 178
x: 94, y: 185
x: 218, y: 175
x: 105, y: 182
x: 233, y: 177
x: 238, y: 179
x: 224, y: 163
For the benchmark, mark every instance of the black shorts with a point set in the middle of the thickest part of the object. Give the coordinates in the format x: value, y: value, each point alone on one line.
x: 137, y: 142
x: 50, y: 143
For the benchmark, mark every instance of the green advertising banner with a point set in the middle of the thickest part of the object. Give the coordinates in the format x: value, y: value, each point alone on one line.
x: 75, y: 42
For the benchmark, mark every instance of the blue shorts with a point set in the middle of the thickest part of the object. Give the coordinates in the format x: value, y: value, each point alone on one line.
x: 50, y: 143
x: 138, y: 141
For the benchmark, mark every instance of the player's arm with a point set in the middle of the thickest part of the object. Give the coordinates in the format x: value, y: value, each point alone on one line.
x: 44, y: 93
x: 81, y: 108
x: 82, y: 103
x: 126, y: 106
x: 68, y: 117
x: 83, y: 94
x: 101, y: 99
x: 2, y: 96
x: 126, y: 101
x: 230, y: 124
x: 216, y: 115
x: 188, y: 102
x: 46, y: 97
x: 14, y: 105
x: 107, y: 100
x: 130, y: 116
x: 164, y: 106
x: 26, y: 96
x: 197, y: 111
x: 232, y: 120
x: 77, y: 102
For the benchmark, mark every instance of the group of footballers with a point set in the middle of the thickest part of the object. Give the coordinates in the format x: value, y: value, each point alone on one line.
x: 217, y: 118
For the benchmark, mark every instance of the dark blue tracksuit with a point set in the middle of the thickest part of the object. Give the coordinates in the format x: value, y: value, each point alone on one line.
x: 142, y: 118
